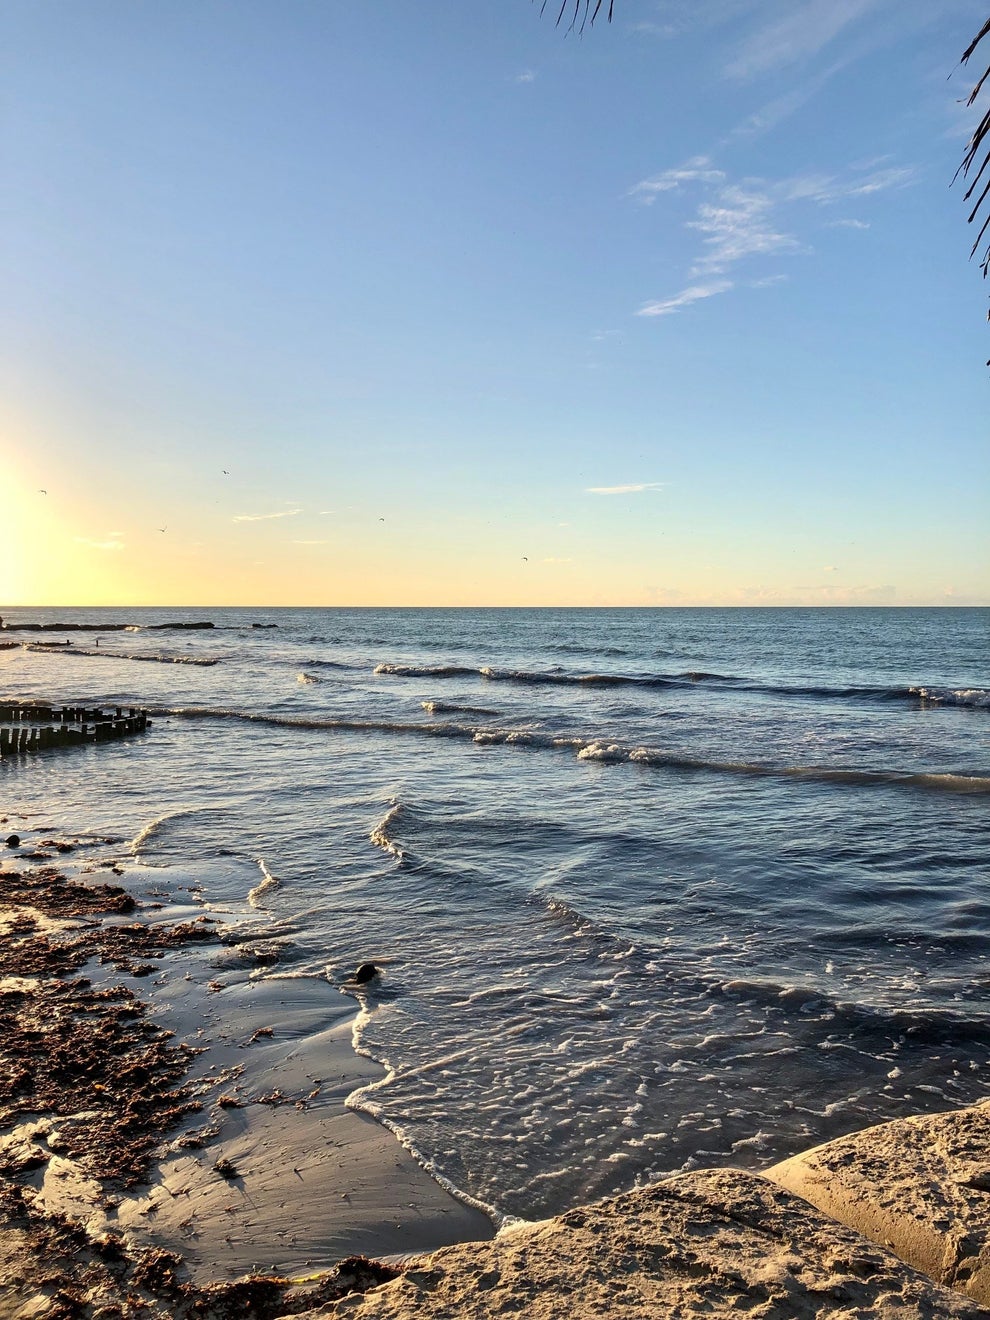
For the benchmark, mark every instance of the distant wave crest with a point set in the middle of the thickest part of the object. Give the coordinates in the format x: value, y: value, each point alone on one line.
x: 161, y: 658
x: 939, y: 696
x: 425, y: 671
x: 972, y: 697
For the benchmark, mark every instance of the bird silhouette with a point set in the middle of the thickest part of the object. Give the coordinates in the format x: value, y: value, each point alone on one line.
x: 42, y: 492
x: 163, y: 529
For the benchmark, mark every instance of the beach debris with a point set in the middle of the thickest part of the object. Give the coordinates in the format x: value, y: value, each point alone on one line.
x: 13, y: 841
x: 366, y: 972
x: 229, y: 1102
x: 273, y: 1098
x: 226, y: 1169
x: 261, y: 1034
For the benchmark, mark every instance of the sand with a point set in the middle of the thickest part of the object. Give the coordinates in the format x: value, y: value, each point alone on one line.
x: 920, y: 1186
x: 181, y: 1103
x: 718, y: 1243
x: 175, y: 1142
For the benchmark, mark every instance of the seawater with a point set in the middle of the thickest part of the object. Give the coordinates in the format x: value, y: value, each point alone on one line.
x: 652, y: 889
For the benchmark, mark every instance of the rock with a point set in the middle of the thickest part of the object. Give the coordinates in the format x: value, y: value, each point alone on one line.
x: 721, y: 1242
x: 13, y: 840
x: 366, y: 972
x: 920, y: 1186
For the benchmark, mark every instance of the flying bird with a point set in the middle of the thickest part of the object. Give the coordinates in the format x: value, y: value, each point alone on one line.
x: 42, y: 492
x: 163, y: 529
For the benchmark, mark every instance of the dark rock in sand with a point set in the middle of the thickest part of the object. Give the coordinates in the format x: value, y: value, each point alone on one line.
x: 366, y: 972
x: 13, y: 840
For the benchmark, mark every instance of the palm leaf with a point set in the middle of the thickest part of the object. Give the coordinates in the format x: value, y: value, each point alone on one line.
x: 976, y: 161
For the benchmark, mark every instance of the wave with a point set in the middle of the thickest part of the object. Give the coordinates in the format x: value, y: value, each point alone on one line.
x: 331, y: 664
x: 922, y: 1026
x: 158, y: 659
x: 265, y: 886
x: 452, y: 707
x: 597, y: 749
x: 381, y: 837
x: 576, y: 649
x: 426, y: 671
x: 148, y: 833
x: 973, y: 697
x: 936, y: 696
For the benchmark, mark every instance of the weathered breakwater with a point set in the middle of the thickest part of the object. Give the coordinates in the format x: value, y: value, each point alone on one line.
x: 34, y: 728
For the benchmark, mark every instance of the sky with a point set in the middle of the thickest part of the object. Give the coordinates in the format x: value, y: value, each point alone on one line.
x: 367, y: 302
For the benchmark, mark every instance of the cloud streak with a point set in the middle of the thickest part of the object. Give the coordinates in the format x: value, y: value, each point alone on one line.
x: 694, y: 293
x: 99, y: 545
x: 802, y: 33
x: 264, y: 517
x: 634, y: 488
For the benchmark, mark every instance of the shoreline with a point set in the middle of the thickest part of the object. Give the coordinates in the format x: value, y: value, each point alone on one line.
x: 179, y: 1147
x: 254, y: 1164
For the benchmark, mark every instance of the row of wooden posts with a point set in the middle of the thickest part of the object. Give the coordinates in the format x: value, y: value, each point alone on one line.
x: 34, y: 728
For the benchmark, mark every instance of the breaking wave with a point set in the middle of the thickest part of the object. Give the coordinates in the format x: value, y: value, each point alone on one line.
x: 604, y: 751
x: 267, y: 883
x: 426, y: 671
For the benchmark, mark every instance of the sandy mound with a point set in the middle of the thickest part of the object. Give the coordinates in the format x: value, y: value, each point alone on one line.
x: 920, y: 1186
x: 719, y: 1242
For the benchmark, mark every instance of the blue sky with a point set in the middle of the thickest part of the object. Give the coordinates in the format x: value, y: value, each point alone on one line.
x: 439, y: 303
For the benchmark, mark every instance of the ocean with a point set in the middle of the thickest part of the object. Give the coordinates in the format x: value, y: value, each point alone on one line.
x: 651, y: 890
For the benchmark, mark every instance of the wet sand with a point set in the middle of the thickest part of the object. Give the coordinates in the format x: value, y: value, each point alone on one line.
x: 158, y: 1099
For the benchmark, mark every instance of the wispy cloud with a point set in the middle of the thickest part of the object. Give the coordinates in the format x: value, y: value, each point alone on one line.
x: 740, y: 223
x: 263, y: 517
x: 112, y: 544
x: 847, y: 224
x: 633, y: 488
x: 826, y: 189
x: 767, y: 282
x: 805, y: 29
x: 675, y: 18
x: 527, y: 76
x: 697, y: 170
x: 667, y: 306
x: 754, y: 219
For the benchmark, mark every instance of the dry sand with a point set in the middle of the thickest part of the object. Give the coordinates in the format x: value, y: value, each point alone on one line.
x: 719, y: 1243
x: 920, y: 1186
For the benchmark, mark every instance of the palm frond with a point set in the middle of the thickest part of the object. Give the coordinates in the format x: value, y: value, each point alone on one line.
x: 588, y: 15
x: 976, y: 161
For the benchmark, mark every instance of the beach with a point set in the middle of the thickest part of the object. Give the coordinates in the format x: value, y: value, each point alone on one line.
x: 650, y: 894
x: 214, y: 1169
x: 244, y: 1159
